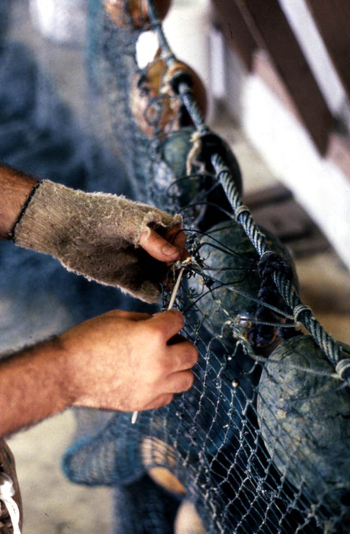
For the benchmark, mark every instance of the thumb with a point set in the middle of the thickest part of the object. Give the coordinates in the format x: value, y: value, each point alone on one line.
x: 158, y: 247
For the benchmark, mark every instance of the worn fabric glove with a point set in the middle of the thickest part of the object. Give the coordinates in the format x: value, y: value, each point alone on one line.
x: 96, y: 235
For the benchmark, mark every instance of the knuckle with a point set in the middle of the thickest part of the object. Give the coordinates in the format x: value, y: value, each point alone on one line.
x: 194, y: 354
x: 167, y: 399
x: 158, y: 334
x: 177, y: 318
x: 188, y: 354
x: 164, y: 367
x: 187, y: 381
x: 159, y: 368
x: 116, y: 313
x: 164, y: 399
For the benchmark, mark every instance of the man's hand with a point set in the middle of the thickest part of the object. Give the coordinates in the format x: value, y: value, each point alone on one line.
x: 107, y: 238
x: 124, y: 361
x: 104, y: 237
x: 119, y: 361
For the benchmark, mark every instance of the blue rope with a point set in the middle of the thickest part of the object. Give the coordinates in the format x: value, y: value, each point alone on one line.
x: 290, y: 294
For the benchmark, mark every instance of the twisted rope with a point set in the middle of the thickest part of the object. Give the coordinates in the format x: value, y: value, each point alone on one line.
x: 242, y: 214
x: 289, y: 293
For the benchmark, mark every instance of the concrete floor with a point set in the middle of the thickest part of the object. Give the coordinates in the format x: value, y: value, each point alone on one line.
x: 52, y: 505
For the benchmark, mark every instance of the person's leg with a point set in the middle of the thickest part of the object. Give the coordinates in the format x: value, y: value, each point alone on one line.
x: 144, y: 508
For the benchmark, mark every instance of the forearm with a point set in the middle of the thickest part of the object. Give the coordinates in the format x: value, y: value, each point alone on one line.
x: 116, y: 361
x: 15, y: 187
x: 32, y: 386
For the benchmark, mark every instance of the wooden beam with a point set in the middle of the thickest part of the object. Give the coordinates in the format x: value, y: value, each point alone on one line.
x: 332, y: 18
x: 271, y: 30
x: 233, y: 26
x: 339, y: 152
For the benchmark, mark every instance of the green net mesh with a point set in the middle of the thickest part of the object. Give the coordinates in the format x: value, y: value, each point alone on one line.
x: 260, y: 442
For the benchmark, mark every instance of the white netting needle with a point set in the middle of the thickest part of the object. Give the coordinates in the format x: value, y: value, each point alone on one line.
x: 171, y: 304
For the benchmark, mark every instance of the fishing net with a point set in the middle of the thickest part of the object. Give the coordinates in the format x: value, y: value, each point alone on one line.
x: 260, y: 442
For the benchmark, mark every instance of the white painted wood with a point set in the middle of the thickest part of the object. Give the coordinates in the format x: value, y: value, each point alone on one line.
x: 305, y: 30
x: 318, y: 184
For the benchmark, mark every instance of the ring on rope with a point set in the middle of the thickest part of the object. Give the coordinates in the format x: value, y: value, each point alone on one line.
x: 272, y: 262
x: 169, y: 56
x: 299, y: 309
x: 343, y: 369
x: 222, y: 169
x: 266, y: 253
x: 181, y: 77
x: 241, y: 209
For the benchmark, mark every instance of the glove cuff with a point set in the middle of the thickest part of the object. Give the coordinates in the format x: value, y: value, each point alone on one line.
x: 56, y: 217
x: 45, y: 218
x: 25, y: 205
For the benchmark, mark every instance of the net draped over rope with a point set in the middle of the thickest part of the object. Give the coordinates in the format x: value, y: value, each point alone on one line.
x: 260, y: 442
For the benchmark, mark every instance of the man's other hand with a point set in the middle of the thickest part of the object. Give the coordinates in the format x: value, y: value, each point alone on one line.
x: 128, y: 361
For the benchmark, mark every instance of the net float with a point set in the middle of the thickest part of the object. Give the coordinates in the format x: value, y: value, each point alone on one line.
x: 156, y: 106
x: 187, y: 520
x: 183, y: 175
x: 304, y: 419
x: 158, y: 459
x: 134, y: 13
x: 227, y: 298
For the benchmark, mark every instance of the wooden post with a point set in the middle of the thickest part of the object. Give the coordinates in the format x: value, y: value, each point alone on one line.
x: 332, y: 18
x: 270, y: 29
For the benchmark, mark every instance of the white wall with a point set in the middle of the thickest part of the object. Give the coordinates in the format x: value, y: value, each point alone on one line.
x: 318, y: 184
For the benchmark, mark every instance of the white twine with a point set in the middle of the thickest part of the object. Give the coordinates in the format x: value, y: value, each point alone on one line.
x: 7, y: 491
x: 171, y: 304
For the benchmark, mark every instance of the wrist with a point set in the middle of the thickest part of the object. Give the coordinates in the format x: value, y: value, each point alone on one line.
x: 61, y: 357
x: 48, y: 362
x: 72, y: 353
x: 32, y: 385
x: 46, y: 220
x: 25, y: 204
x: 15, y: 187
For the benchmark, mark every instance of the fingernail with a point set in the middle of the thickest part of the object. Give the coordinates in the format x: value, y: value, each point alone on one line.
x: 169, y: 250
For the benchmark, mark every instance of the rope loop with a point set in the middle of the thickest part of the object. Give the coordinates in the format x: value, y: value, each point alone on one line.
x: 181, y: 77
x: 272, y: 262
x: 241, y: 209
x: 222, y: 170
x: 343, y: 369
x: 299, y: 309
